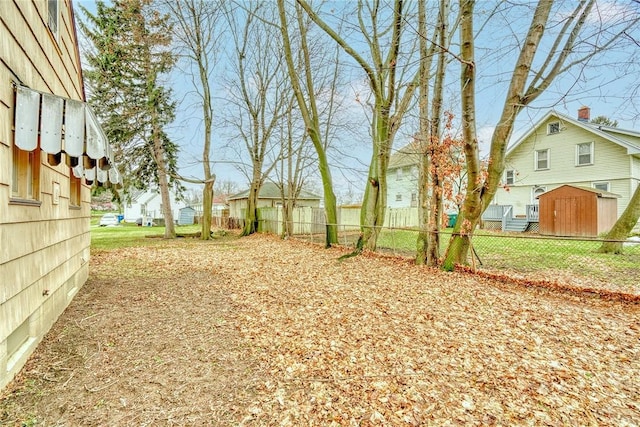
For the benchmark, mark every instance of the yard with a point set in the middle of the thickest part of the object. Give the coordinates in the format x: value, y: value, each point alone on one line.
x: 260, y: 331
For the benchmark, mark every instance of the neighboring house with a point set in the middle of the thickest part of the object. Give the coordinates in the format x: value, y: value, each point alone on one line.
x: 218, y: 206
x: 402, y: 177
x: 561, y: 150
x: 51, y: 151
x: 269, y: 197
x: 402, y: 181
x: 148, y: 204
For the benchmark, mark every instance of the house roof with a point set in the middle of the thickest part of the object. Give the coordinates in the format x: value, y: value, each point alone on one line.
x: 606, y: 132
x: 598, y: 193
x: 270, y: 190
x: 405, y: 156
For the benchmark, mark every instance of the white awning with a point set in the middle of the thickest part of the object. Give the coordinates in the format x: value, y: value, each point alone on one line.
x: 64, y: 126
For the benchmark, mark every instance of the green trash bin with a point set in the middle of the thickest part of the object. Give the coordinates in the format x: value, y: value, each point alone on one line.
x: 452, y: 219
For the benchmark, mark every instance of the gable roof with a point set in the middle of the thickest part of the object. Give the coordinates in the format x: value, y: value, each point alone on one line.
x: 270, y: 190
x: 405, y: 156
x: 598, y: 193
x: 606, y: 132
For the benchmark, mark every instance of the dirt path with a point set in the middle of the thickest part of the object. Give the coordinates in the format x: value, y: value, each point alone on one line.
x: 263, y: 332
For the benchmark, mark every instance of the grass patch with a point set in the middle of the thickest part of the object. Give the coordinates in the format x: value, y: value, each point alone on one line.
x: 131, y: 235
x: 527, y: 253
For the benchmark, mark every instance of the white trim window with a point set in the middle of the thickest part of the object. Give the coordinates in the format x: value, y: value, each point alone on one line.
x: 536, y: 192
x: 602, y: 186
x: 509, y: 177
x: 399, y: 174
x: 53, y: 9
x: 584, y: 154
x: 542, y: 159
x: 553, y: 128
x: 398, y: 197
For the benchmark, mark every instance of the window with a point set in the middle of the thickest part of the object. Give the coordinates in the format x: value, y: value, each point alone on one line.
x: 542, y: 159
x: 602, y: 186
x: 406, y: 171
x: 553, y: 128
x: 25, y: 179
x: 537, y: 191
x: 398, y: 197
x: 414, y: 200
x: 52, y: 19
x: 584, y: 154
x: 399, y: 174
x: 510, y: 177
x: 75, y: 188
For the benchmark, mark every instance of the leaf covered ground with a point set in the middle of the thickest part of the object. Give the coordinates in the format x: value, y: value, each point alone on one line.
x: 258, y: 331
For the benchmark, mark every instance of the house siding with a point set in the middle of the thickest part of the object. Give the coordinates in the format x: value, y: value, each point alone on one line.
x: 405, y: 186
x: 45, y: 247
x: 611, y: 163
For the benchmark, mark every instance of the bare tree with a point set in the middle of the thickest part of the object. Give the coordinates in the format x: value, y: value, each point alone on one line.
x: 305, y: 93
x: 197, y: 33
x: 295, y: 165
x: 432, y: 169
x: 259, y: 93
x: 392, y: 79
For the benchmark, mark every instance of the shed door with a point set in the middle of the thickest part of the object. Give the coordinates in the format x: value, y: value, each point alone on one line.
x: 566, y: 217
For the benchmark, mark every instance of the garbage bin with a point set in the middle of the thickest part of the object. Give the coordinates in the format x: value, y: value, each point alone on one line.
x: 452, y: 219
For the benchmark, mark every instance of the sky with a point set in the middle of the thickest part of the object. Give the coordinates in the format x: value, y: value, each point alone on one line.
x: 608, y: 85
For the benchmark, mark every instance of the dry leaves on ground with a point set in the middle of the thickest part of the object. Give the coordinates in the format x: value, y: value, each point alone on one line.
x: 260, y: 331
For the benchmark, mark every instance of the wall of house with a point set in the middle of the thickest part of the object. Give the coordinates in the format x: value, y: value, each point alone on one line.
x: 153, y: 206
x: 610, y: 164
x: 404, y: 186
x: 237, y: 206
x: 45, y: 246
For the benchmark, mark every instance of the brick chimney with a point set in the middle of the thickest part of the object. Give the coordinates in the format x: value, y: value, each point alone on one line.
x: 584, y: 113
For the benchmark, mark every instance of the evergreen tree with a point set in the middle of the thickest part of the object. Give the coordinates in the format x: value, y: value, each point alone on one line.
x: 131, y: 55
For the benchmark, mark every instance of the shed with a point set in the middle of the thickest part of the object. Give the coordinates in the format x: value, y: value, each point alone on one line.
x: 186, y: 216
x: 577, y: 211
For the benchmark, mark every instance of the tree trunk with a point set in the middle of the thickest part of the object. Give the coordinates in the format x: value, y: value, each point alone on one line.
x: 207, y: 203
x: 422, y: 244
x: 375, y: 196
x: 623, y: 226
x: 462, y: 232
x: 436, y: 168
x: 163, y: 182
x: 251, y: 215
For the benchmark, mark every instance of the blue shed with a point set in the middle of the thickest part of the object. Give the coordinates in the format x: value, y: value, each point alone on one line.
x: 187, y: 215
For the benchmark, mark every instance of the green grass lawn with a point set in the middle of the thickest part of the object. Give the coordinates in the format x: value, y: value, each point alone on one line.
x: 530, y: 253
x: 128, y: 234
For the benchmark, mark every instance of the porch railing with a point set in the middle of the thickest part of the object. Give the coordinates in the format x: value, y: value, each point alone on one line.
x: 506, y: 216
x: 495, y: 212
x: 533, y: 213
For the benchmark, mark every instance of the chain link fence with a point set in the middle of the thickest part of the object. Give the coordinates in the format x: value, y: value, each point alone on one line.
x: 574, y: 262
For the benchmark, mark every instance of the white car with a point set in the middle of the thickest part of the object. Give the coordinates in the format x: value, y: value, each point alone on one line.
x: 108, y: 219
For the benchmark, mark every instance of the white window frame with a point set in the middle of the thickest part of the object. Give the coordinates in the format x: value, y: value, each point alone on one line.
x: 53, y: 17
x: 399, y: 174
x: 512, y: 180
x: 606, y: 183
x: 553, y: 128
x: 534, y: 193
x: 536, y: 165
x: 591, y: 149
x: 398, y: 197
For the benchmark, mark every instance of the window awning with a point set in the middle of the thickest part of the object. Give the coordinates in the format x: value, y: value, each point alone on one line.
x: 62, y: 125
